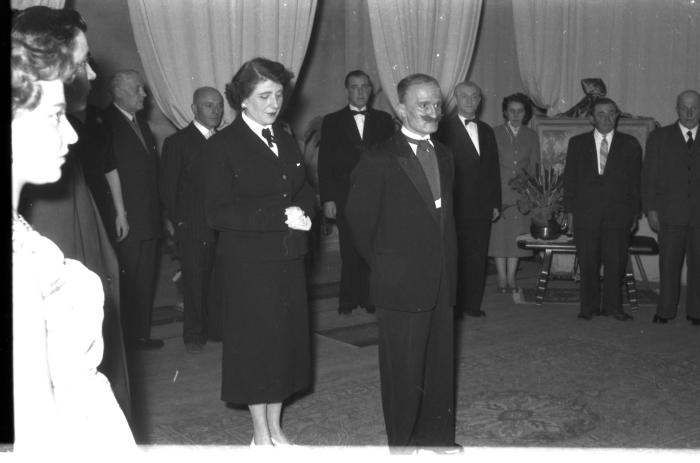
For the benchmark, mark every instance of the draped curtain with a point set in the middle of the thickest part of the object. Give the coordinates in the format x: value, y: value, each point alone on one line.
x: 184, y: 45
x: 434, y: 37
x: 23, y: 4
x: 633, y: 45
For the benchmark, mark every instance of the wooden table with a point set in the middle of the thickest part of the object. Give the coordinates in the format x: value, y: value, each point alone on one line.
x: 639, y: 245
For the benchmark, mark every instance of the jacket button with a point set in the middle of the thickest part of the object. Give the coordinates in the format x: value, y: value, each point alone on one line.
x: 284, y: 195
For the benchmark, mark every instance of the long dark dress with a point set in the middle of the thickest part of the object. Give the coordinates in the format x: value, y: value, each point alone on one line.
x: 515, y: 152
x: 266, y: 344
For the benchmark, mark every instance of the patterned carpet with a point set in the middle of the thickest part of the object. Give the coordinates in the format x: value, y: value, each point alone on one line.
x: 526, y: 377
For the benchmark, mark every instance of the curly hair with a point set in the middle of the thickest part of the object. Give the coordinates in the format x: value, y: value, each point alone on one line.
x: 253, y: 72
x: 518, y: 98
x: 43, y: 42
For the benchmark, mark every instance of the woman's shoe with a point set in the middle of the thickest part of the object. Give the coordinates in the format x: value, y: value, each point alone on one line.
x: 277, y: 443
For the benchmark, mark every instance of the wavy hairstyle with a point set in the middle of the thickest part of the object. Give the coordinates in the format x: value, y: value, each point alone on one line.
x: 253, y: 72
x: 43, y: 42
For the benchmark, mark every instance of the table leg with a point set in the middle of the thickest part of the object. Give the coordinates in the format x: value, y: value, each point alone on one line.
x: 544, y: 277
x: 631, y: 286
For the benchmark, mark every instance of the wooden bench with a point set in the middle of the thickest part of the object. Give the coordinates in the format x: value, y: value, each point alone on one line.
x: 639, y: 245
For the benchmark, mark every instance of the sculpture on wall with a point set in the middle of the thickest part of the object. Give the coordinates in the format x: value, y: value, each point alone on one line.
x: 593, y: 88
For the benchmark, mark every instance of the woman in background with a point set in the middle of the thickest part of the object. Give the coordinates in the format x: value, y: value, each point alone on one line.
x: 61, y: 402
x: 518, y: 148
x: 258, y: 199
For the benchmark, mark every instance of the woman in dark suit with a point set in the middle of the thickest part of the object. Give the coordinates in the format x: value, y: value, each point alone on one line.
x: 258, y: 199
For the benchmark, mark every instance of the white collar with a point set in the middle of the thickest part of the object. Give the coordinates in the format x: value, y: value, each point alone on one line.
x: 411, y: 134
x: 202, y: 128
x: 355, y: 108
x: 254, y: 126
x: 599, y: 136
x: 462, y: 118
x: 126, y: 113
x: 685, y: 129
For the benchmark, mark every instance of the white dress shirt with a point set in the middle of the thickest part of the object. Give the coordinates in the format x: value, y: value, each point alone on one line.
x: 359, y: 119
x: 598, y: 137
x: 206, y: 132
x: 473, y: 131
x: 257, y: 129
x: 685, y: 130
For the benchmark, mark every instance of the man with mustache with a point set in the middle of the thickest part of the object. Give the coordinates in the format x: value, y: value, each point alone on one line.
x: 399, y: 211
x: 477, y: 194
x: 345, y: 134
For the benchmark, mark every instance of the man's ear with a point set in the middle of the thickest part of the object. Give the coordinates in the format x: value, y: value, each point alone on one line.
x: 194, y: 109
x: 401, y: 111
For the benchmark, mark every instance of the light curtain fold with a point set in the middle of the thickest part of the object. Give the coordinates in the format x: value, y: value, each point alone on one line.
x: 631, y: 44
x: 184, y: 45
x: 23, y: 4
x: 435, y: 37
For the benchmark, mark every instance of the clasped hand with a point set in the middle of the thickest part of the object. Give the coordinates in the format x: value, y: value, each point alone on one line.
x: 296, y: 219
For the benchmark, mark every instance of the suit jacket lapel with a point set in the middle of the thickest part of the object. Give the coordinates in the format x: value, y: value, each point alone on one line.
x: 350, y: 126
x: 591, y: 157
x: 468, y: 140
x: 255, y: 143
x: 411, y: 166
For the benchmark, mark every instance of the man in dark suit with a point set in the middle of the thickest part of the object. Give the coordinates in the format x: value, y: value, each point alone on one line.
x: 399, y: 211
x: 65, y: 211
x: 135, y: 152
x: 182, y: 192
x: 477, y: 194
x: 671, y: 189
x: 345, y: 134
x: 602, y: 200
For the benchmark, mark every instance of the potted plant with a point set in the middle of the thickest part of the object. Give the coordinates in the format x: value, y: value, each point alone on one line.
x: 542, y: 197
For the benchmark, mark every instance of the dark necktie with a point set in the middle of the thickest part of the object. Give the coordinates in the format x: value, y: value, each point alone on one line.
x: 135, y: 125
x: 428, y: 161
x: 271, y: 140
x: 689, y: 142
x: 358, y: 113
x: 469, y: 121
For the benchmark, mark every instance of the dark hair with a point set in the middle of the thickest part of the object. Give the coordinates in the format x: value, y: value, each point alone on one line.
x: 600, y: 101
x: 413, y: 79
x: 43, y: 41
x: 518, y: 98
x: 252, y: 73
x: 356, y: 73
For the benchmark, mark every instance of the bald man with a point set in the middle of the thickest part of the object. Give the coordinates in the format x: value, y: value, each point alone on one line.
x: 671, y: 199
x: 136, y: 158
x: 182, y: 193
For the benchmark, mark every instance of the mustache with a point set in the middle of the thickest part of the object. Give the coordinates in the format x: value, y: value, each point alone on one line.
x: 430, y: 119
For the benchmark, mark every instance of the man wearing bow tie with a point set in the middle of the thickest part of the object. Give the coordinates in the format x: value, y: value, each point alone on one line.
x: 477, y: 194
x: 602, y: 198
x: 399, y: 211
x: 136, y: 156
x: 345, y: 134
x: 671, y: 188
x: 182, y: 193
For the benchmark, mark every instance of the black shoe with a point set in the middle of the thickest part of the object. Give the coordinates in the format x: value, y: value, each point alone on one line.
x: 370, y: 308
x: 478, y: 313
x: 147, y: 343
x: 658, y: 319
x: 622, y: 316
x: 584, y: 316
x: 453, y: 449
x: 693, y: 320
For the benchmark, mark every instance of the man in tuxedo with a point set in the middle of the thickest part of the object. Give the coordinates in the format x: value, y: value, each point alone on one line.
x: 400, y: 215
x: 345, y: 134
x: 65, y: 211
x: 182, y: 193
x: 135, y: 153
x: 477, y: 194
x: 671, y: 197
x: 602, y: 200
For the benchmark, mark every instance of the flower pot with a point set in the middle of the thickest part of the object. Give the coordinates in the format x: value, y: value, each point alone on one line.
x: 551, y: 231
